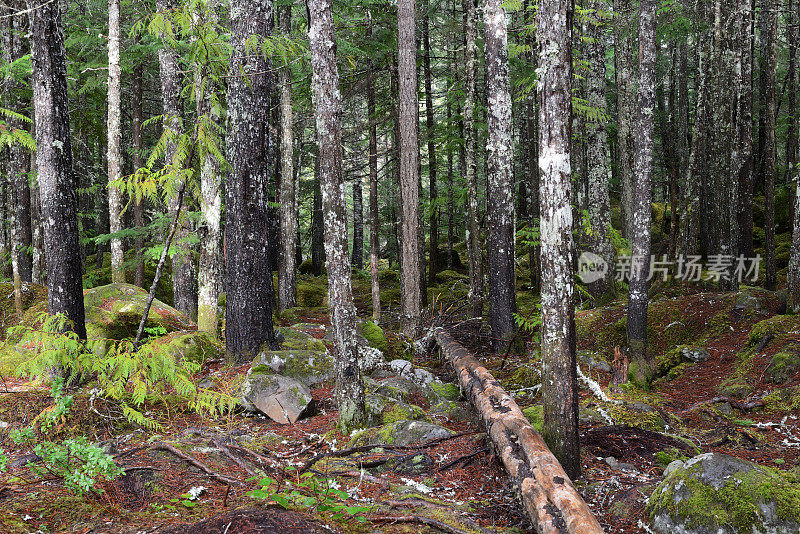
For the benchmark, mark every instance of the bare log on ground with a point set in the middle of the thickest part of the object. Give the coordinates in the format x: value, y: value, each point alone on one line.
x: 548, y: 495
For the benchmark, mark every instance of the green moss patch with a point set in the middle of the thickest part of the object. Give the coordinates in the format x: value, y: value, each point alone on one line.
x: 374, y: 336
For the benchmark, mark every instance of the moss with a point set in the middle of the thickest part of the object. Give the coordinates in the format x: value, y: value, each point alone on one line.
x: 783, y: 400
x: 782, y: 367
x: 193, y: 346
x: 775, y: 325
x: 736, y: 504
x: 443, y: 277
x: 401, y: 412
x: 311, y: 295
x: 294, y: 339
x: 374, y: 336
x: 535, y: 415
x: 387, y: 276
x: 447, y: 391
x: 389, y: 296
x: 629, y: 414
x: 669, y: 455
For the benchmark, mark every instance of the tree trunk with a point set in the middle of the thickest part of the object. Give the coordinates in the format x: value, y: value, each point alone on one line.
x: 317, y: 230
x: 184, y: 276
x: 745, y: 114
x: 768, y: 166
x: 138, y: 147
x: 551, y: 501
x: 114, y: 131
x: 58, y: 198
x: 408, y: 117
x: 209, y: 272
x: 248, y: 280
x: 681, y: 125
x: 430, y: 124
x: 791, y: 85
x: 374, y: 229
x: 472, y: 226
x: 532, y: 166
x: 793, y: 274
x: 599, y: 203
x: 287, y: 269
x: 328, y: 109
x: 500, y: 192
x: 640, y: 242
x: 559, y: 382
x: 624, y: 58
x: 357, y: 260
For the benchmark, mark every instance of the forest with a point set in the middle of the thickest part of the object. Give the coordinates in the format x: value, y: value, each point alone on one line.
x: 438, y: 266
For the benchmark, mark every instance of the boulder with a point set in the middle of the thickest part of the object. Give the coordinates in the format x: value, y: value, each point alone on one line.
x: 457, y: 412
x: 719, y: 494
x: 308, y: 366
x: 295, y: 339
x: 383, y: 410
x: 400, y: 433
x: 188, y: 345
x: 694, y: 354
x: 113, y: 311
x: 405, y: 369
x: 282, y: 399
x: 374, y: 336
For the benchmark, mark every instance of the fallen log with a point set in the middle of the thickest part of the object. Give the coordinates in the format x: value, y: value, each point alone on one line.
x: 547, y: 494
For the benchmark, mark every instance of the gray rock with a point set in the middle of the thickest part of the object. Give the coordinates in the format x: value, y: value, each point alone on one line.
x: 719, y: 494
x: 370, y: 359
x: 282, y: 399
x: 400, y: 433
x: 453, y: 411
x: 694, y: 354
x: 673, y: 466
x: 308, y: 366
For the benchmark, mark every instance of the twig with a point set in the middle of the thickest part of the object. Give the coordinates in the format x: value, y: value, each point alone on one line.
x: 160, y: 445
x: 463, y: 458
x: 444, y: 527
x: 221, y: 446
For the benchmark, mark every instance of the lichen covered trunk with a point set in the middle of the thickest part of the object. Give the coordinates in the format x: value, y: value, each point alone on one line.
x: 248, y: 280
x: 559, y: 382
x: 643, y: 167
x: 57, y: 195
x: 625, y: 68
x: 768, y: 165
x: 114, y: 148
x: 328, y: 109
x: 500, y: 192
x: 287, y: 267
x: 374, y: 220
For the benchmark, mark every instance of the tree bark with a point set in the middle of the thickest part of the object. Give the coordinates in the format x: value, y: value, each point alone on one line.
x: 209, y: 271
x: 559, y: 382
x: 184, y: 275
x: 328, y: 108
x: 472, y: 227
x: 58, y: 198
x: 287, y: 269
x: 138, y: 147
x: 374, y: 229
x: 599, y: 203
x: 317, y: 229
x: 769, y: 151
x: 745, y: 114
x: 248, y: 280
x: 551, y: 501
x: 357, y: 259
x: 500, y: 192
x: 114, y: 131
x: 791, y: 85
x: 408, y: 118
x: 640, y: 242
x: 793, y: 274
x: 624, y: 61
x: 430, y: 124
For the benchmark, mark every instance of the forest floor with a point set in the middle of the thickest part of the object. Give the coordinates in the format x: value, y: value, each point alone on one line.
x: 727, y: 403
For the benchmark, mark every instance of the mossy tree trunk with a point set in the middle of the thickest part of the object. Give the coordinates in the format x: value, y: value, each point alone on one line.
x: 328, y: 109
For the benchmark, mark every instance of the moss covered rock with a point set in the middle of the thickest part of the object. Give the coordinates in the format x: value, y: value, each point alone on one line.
x: 454, y: 411
x: 783, y: 367
x: 374, y: 336
x: 720, y: 494
x: 400, y: 433
x: 311, y: 294
x: 294, y: 339
x: 775, y: 326
x: 114, y: 311
x: 446, y: 390
x: 189, y: 345
x: 384, y: 410
x: 535, y: 415
x: 282, y: 399
x: 308, y: 366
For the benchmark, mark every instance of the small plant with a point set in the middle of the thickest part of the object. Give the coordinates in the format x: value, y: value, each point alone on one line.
x: 310, y: 492
x: 80, y: 464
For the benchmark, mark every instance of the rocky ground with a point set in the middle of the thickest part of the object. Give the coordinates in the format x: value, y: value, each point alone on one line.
x: 726, y: 396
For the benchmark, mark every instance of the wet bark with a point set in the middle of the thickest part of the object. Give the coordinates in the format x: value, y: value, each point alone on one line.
x: 328, y: 109
x: 430, y: 125
x: 408, y: 118
x: 287, y: 269
x: 472, y: 226
x: 559, y: 383
x: 248, y: 280
x: 58, y: 197
x: 500, y: 192
x: 114, y: 131
x: 640, y: 243
x: 599, y: 203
